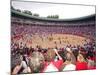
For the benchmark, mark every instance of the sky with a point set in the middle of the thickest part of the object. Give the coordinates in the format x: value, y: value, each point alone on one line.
x: 65, y: 11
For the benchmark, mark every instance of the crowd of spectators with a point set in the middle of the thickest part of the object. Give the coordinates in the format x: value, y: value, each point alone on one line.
x: 19, y: 29
x: 39, y: 60
x: 25, y: 59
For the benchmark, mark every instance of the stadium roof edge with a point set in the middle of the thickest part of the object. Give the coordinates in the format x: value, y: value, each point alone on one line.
x: 51, y: 19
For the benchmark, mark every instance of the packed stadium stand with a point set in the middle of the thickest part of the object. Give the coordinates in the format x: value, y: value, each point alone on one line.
x: 30, y: 34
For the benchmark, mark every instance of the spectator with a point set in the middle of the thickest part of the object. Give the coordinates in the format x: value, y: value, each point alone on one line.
x: 81, y: 63
x: 68, y: 65
x: 36, y: 62
x: 50, y: 64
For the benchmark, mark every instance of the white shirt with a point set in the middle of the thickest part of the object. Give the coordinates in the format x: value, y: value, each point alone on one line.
x: 69, y: 67
x: 50, y: 68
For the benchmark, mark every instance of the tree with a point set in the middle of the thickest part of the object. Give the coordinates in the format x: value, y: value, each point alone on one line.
x: 18, y: 10
x: 35, y: 14
x: 27, y: 12
x: 56, y: 16
x: 48, y: 16
x: 12, y: 8
x: 53, y: 16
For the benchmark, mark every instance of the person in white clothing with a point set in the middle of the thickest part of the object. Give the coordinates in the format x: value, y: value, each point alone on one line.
x: 69, y: 64
x: 52, y: 65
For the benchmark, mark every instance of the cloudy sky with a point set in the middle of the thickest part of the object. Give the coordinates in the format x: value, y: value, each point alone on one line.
x: 65, y: 11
